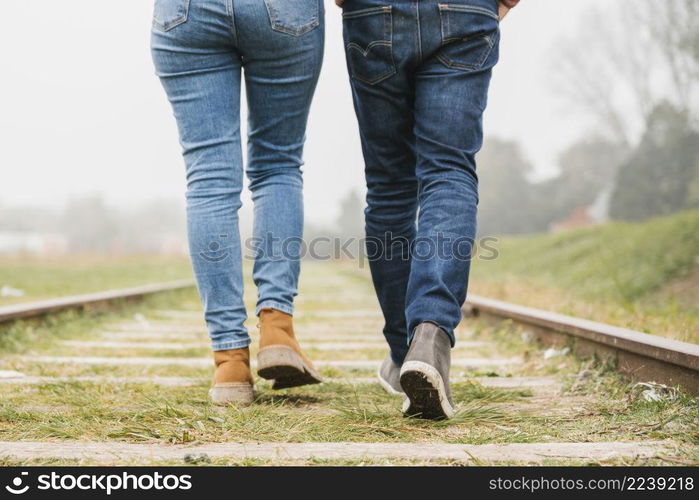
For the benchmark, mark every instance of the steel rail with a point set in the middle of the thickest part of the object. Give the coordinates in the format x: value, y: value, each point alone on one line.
x: 640, y: 355
x: 41, y: 308
x: 644, y: 357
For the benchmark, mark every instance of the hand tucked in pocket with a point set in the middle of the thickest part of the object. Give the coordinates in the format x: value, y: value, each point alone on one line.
x: 505, y: 6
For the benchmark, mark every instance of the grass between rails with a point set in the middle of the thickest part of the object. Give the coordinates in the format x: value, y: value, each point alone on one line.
x: 593, y: 405
x: 639, y: 275
x: 597, y: 406
x: 331, y: 413
x: 24, y: 336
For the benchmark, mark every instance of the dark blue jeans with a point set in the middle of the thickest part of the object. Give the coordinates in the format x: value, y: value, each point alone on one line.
x: 420, y: 71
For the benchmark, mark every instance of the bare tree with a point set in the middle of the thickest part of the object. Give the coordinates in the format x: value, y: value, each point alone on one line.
x: 581, y: 78
x: 625, y: 60
x: 674, y: 26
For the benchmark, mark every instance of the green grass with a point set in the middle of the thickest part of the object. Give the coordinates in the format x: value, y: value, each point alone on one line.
x: 594, y: 404
x: 43, y: 334
x: 146, y: 413
x: 639, y: 275
x: 329, y: 413
x: 52, y: 277
x: 590, y: 403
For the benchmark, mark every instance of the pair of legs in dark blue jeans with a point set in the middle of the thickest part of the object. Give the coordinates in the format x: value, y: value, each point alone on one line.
x: 420, y: 72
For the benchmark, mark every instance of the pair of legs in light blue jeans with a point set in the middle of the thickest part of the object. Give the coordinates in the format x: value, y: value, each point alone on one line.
x: 201, y: 50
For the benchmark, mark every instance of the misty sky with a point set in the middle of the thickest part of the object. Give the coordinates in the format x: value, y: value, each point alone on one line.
x: 81, y: 111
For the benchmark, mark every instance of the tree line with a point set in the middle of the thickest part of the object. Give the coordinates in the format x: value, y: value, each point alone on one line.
x: 633, y: 70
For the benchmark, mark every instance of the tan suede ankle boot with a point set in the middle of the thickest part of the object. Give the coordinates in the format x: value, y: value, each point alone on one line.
x: 233, y: 382
x: 280, y: 357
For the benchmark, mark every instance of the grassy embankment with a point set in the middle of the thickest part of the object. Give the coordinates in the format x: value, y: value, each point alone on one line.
x: 643, y: 276
x: 44, y: 278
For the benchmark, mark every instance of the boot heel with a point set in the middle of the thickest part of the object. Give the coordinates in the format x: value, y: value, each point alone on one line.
x: 278, y: 361
x: 232, y: 393
x: 283, y: 365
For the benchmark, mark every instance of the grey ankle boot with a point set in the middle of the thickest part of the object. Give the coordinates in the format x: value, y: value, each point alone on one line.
x: 389, y: 377
x: 424, y: 375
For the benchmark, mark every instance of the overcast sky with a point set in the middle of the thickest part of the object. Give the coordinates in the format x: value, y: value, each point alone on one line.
x: 82, y: 112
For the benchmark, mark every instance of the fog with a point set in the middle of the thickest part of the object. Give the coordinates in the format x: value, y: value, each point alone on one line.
x: 85, y: 127
x: 82, y: 112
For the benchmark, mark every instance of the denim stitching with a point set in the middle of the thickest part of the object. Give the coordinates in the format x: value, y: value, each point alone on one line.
x: 388, y: 32
x: 226, y: 345
x: 271, y: 304
x: 277, y: 26
x: 445, y: 22
x: 231, y: 20
x: 490, y: 40
x: 444, y: 10
x: 175, y: 22
x: 388, y: 23
x: 467, y: 8
x: 353, y: 45
x: 419, y: 35
x: 365, y: 12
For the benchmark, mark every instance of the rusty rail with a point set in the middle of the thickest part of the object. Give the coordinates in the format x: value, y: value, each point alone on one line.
x: 643, y: 357
x: 44, y: 307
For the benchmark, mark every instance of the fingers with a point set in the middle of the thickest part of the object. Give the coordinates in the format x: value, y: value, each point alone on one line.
x: 339, y: 2
x: 502, y: 11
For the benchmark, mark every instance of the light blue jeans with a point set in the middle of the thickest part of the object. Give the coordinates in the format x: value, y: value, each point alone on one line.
x: 200, y: 49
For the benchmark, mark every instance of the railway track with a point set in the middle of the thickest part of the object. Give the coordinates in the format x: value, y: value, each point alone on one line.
x: 132, y: 390
x: 91, y: 300
x: 643, y: 357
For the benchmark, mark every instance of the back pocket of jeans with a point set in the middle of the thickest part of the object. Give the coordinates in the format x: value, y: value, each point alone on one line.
x: 168, y: 14
x: 368, y: 35
x: 469, y: 33
x: 293, y: 17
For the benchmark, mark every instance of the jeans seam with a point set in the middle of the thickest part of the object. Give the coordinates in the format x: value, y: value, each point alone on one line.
x: 302, y: 30
x: 419, y: 35
x: 387, y: 12
x: 272, y: 304
x: 365, y: 12
x: 296, y: 32
x: 375, y: 43
x: 388, y: 21
x: 175, y: 22
x: 490, y: 40
x: 467, y: 8
x: 231, y: 21
x: 230, y: 344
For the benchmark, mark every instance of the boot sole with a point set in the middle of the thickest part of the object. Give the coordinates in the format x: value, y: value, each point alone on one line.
x: 232, y: 393
x: 285, y: 367
x: 425, y: 391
